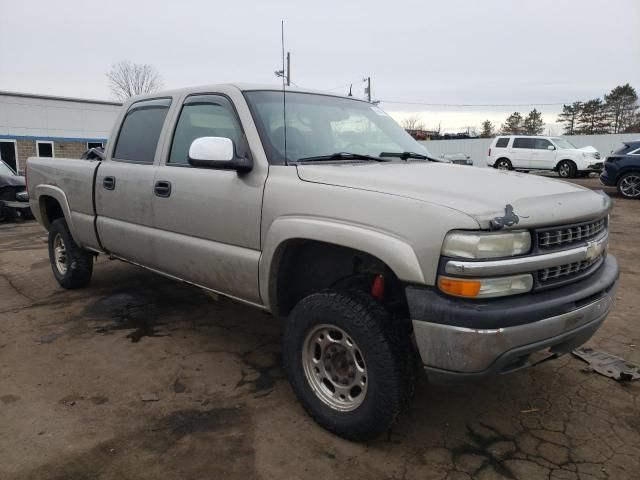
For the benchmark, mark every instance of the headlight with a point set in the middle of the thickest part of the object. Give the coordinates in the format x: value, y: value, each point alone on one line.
x: 486, y: 244
x: 486, y: 287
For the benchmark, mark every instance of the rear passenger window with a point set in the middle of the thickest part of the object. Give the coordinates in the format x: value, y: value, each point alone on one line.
x: 204, y: 116
x: 502, y: 143
x: 523, y: 143
x: 140, y: 131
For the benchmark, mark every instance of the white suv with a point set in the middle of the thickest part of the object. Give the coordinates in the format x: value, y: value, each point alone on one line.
x: 521, y: 152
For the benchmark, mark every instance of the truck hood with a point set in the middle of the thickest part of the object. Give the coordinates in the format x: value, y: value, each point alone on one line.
x: 482, y: 193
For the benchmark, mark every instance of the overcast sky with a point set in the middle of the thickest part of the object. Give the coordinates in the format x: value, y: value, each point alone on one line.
x: 444, y: 51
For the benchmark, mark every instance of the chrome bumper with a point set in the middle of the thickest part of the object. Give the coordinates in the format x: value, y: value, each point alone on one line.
x: 472, y: 351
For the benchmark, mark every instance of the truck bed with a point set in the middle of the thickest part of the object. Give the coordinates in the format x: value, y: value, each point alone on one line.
x: 70, y: 182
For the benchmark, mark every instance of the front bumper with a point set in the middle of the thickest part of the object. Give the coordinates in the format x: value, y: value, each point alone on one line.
x: 461, y: 340
x: 14, y: 204
x: 595, y: 167
x: 608, y: 178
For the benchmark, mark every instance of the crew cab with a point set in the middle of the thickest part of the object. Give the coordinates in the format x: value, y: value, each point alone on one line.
x: 522, y: 152
x: 326, y: 213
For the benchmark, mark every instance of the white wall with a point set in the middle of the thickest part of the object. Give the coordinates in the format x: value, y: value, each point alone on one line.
x: 28, y: 117
x: 477, y: 147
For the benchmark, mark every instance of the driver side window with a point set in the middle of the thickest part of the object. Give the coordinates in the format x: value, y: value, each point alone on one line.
x: 204, y: 116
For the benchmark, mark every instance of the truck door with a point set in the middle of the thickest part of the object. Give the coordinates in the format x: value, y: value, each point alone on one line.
x: 521, y: 152
x: 541, y: 157
x: 124, y: 184
x: 208, y: 220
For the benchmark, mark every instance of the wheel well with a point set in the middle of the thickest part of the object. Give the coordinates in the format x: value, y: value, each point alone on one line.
x: 502, y: 158
x: 565, y: 160
x: 624, y: 172
x: 50, y: 210
x: 302, y: 267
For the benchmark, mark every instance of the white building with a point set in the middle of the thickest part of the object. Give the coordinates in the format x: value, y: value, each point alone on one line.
x: 48, y: 126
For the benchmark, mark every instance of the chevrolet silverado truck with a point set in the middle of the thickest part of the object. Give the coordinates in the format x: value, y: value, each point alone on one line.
x: 323, y: 211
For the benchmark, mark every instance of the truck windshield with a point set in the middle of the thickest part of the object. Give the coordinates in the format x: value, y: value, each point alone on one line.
x: 6, y: 170
x: 322, y: 125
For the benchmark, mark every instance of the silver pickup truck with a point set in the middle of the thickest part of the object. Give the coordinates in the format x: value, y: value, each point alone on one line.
x: 320, y: 209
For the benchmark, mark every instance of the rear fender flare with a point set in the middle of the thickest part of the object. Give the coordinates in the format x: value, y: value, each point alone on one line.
x: 57, y: 194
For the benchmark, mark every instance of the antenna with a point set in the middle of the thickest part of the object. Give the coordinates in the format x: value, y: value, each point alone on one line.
x: 284, y: 92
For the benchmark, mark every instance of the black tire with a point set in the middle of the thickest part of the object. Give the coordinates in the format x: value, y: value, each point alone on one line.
x: 628, y: 185
x: 77, y: 263
x: 567, y: 169
x: 384, y: 350
x: 503, y: 164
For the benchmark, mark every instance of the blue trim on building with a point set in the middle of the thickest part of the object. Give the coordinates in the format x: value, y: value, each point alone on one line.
x: 51, y: 139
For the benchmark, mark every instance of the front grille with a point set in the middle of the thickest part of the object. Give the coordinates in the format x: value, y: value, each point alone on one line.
x: 567, y: 271
x: 566, y: 235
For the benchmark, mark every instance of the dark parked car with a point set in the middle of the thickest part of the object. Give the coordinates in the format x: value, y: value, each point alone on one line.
x: 95, y: 153
x: 622, y: 170
x: 14, y: 200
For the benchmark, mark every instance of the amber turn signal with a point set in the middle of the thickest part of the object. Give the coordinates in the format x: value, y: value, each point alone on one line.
x: 459, y: 287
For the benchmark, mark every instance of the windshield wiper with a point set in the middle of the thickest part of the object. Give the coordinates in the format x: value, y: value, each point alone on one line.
x: 341, y: 156
x: 407, y: 155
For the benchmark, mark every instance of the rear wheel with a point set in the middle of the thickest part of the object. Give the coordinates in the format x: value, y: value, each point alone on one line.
x: 503, y: 164
x: 629, y: 185
x: 72, y: 266
x: 567, y: 169
x: 347, y: 363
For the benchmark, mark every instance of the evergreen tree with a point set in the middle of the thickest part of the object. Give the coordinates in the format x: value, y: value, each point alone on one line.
x: 569, y: 117
x: 621, y: 104
x: 513, y: 124
x: 533, y: 124
x: 487, y: 130
x: 635, y: 125
x: 593, y: 118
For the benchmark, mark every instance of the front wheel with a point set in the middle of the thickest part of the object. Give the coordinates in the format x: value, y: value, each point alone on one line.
x: 629, y: 185
x: 347, y: 363
x: 567, y: 169
x: 72, y: 266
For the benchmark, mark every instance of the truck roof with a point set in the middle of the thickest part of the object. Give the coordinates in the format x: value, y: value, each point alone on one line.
x: 243, y: 87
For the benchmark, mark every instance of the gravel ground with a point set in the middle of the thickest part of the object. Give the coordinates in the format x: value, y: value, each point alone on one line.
x: 140, y: 377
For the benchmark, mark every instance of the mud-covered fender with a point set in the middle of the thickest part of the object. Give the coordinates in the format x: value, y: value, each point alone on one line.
x: 40, y: 211
x: 394, y: 251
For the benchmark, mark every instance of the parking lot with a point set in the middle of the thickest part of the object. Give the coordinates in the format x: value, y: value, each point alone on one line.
x: 142, y: 377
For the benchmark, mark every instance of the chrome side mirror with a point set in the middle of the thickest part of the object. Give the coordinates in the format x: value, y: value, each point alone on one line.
x: 217, y: 152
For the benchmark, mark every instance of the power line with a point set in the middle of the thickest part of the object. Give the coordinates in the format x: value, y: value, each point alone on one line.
x: 477, y: 104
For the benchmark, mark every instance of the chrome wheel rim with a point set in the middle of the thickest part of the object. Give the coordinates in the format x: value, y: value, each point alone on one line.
x: 564, y: 170
x: 60, y: 254
x: 503, y: 166
x: 630, y: 186
x: 335, y: 368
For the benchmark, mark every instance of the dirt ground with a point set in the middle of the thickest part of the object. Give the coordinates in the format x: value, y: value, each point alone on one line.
x: 140, y: 377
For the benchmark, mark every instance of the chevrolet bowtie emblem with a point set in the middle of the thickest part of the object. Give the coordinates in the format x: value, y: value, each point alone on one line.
x: 594, y: 249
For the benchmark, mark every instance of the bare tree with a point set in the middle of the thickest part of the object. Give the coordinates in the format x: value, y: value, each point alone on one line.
x: 127, y: 79
x: 413, y: 123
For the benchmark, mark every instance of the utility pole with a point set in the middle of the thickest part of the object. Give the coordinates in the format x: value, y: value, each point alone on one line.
x: 288, y: 69
x: 367, y: 90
